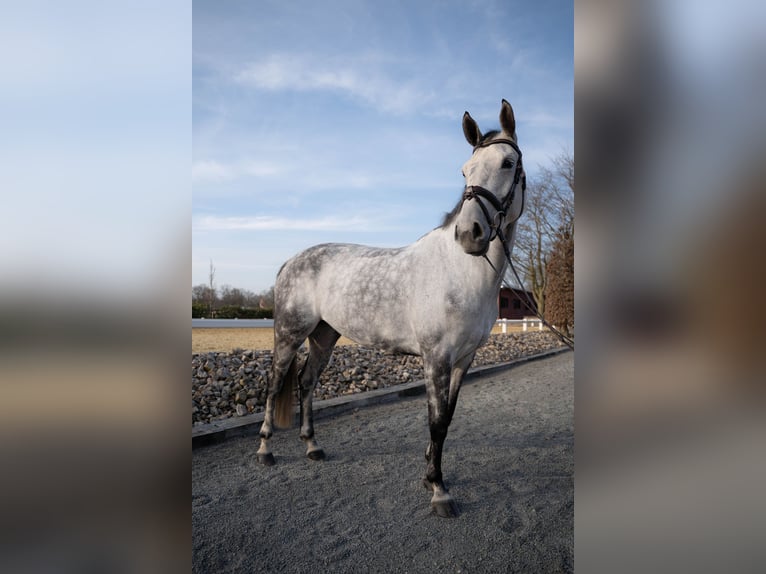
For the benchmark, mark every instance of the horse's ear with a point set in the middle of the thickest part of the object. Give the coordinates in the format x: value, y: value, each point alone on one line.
x: 471, y: 130
x: 507, y: 119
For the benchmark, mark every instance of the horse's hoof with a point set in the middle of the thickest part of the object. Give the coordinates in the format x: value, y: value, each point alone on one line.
x: 266, y: 459
x: 446, y: 508
x: 316, y: 454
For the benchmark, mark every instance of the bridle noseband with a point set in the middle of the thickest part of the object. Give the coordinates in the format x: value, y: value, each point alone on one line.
x: 501, y: 205
x: 501, y: 208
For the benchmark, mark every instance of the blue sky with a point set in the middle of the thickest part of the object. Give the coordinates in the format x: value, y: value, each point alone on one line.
x: 341, y: 120
x: 95, y: 111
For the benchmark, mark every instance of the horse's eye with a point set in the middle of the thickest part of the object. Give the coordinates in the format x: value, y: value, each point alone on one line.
x: 507, y: 163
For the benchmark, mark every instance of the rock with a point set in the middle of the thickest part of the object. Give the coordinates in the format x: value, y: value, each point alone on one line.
x: 233, y: 384
x: 222, y: 373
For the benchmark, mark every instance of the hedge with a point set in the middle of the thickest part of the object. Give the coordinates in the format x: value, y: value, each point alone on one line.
x: 200, y: 310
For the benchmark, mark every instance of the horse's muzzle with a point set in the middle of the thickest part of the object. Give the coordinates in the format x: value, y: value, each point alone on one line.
x: 475, y: 239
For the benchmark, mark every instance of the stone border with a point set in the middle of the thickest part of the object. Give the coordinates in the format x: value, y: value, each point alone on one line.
x: 218, y: 431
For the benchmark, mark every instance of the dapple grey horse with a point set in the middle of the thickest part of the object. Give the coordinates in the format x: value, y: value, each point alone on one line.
x: 436, y: 298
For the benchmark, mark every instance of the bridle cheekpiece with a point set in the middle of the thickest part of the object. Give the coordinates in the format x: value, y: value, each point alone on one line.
x: 501, y: 206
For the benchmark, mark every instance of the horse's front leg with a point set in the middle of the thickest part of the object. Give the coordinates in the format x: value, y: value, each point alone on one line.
x: 439, y: 418
x: 443, y: 389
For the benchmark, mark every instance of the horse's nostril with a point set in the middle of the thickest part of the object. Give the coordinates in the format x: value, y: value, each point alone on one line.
x: 477, y: 231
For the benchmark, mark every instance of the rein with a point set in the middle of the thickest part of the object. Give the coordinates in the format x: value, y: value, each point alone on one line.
x: 568, y: 341
x: 501, y: 207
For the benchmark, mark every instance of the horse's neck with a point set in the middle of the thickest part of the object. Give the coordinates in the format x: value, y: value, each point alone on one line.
x: 486, y: 274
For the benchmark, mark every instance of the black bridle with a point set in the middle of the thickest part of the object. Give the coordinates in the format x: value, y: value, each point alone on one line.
x: 496, y: 223
x: 501, y: 206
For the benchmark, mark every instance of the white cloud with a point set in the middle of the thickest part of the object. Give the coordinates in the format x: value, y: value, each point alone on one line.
x: 209, y: 170
x: 544, y: 119
x: 316, y: 175
x: 362, y: 77
x: 273, y: 223
x: 215, y: 171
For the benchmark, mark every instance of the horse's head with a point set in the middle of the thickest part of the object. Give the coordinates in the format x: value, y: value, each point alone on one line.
x: 493, y: 175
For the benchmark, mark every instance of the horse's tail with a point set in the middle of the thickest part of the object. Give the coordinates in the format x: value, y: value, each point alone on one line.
x: 283, y: 408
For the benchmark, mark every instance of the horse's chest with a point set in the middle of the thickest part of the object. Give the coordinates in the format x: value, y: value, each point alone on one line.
x: 467, y: 304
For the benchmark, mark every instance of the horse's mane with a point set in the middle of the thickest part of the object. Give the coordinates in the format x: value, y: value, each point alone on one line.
x: 450, y: 217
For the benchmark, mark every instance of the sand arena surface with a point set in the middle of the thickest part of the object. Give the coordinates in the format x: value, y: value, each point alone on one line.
x: 259, y: 338
x: 230, y: 338
x: 508, y: 460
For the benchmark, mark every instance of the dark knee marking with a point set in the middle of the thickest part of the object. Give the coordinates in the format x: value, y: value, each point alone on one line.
x: 438, y: 429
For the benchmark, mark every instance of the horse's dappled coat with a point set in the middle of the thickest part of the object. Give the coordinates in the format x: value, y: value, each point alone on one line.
x: 436, y: 298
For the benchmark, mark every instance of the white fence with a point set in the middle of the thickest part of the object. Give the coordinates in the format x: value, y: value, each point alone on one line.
x: 527, y: 323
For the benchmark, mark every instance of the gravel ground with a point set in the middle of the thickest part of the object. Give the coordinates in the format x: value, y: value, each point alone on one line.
x: 233, y: 384
x: 508, y: 461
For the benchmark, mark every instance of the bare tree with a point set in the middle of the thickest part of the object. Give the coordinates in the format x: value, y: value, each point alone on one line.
x: 549, y: 209
x: 233, y: 296
x: 201, y: 293
x: 266, y: 298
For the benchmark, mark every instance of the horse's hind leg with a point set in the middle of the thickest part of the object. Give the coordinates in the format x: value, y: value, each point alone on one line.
x: 321, y: 343
x: 283, y: 373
